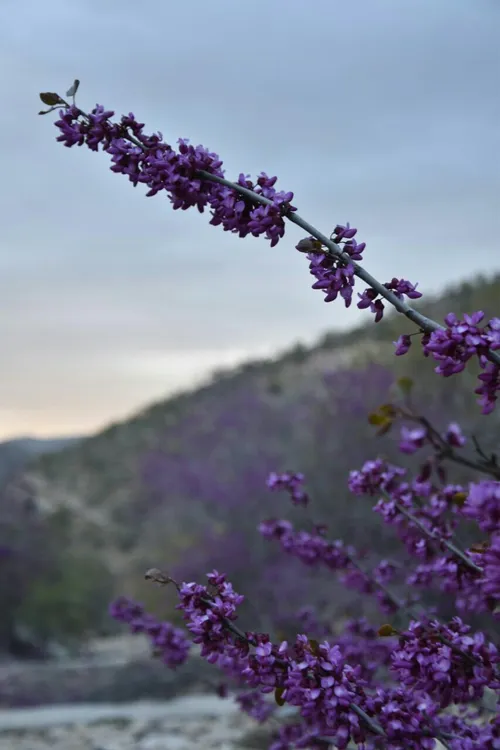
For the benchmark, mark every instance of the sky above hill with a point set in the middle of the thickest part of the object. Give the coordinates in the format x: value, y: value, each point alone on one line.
x: 378, y: 112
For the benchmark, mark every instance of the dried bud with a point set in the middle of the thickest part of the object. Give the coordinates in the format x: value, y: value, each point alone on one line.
x: 156, y: 575
x: 386, y: 630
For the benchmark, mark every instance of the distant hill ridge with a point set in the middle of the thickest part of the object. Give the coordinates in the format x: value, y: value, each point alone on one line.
x: 16, y: 453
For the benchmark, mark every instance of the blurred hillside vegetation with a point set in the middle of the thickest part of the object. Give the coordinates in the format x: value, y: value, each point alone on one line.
x: 181, y: 485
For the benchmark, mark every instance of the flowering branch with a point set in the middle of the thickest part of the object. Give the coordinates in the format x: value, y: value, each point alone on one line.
x: 432, y: 535
x: 424, y: 323
x: 269, y: 655
x: 335, y: 698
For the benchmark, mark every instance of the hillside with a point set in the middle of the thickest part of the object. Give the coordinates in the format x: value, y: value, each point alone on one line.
x: 167, y: 486
x: 15, y: 454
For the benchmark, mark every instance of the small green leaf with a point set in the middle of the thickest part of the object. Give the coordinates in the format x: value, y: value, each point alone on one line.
x: 51, y: 99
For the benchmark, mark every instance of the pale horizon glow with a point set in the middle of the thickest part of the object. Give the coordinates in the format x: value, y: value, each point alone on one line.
x: 381, y: 114
x: 159, y: 374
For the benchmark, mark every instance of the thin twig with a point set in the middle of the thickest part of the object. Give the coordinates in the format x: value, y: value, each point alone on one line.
x: 446, y: 451
x: 449, y: 545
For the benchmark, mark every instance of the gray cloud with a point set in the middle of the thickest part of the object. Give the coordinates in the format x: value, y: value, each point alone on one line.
x: 381, y: 113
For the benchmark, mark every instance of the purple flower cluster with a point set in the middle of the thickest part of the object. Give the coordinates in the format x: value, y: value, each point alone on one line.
x: 425, y: 519
x: 483, y: 505
x: 400, y: 288
x: 336, y: 277
x: 376, y: 475
x: 311, y: 549
x: 452, y: 576
x: 168, y: 642
x: 445, y: 662
x: 207, y: 616
x: 291, y: 483
x: 333, y: 276
x: 316, y: 679
x: 412, y: 439
x: 460, y: 341
x: 456, y: 344
x: 315, y: 549
x: 489, y: 560
x: 150, y: 161
x: 454, y: 436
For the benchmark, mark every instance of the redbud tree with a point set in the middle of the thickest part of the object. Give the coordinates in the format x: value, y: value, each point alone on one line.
x: 414, y: 679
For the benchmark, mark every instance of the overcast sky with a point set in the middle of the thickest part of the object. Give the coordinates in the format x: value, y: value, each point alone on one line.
x: 378, y: 112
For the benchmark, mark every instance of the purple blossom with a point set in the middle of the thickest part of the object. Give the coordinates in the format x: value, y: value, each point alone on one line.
x: 369, y: 298
x: 454, y: 435
x: 483, y: 505
x: 291, y: 483
x: 412, y: 439
x: 490, y: 562
x: 207, y: 616
x: 169, y: 642
x: 402, y: 345
x: 402, y: 287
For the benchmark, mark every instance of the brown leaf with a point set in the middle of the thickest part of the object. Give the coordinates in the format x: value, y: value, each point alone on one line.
x: 51, y: 99
x: 278, y: 693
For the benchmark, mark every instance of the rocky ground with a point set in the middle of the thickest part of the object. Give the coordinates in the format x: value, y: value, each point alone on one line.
x: 111, y: 671
x: 197, y: 722
x: 116, y: 697
x: 183, y: 724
